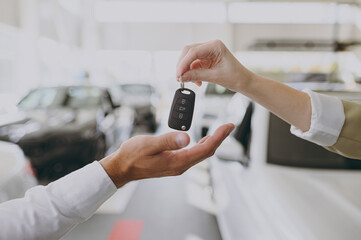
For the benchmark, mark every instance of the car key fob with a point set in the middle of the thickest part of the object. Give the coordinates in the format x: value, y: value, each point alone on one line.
x: 181, y: 113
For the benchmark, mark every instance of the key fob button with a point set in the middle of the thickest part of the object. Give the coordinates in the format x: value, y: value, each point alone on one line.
x: 182, y: 101
x: 180, y: 108
x: 180, y: 115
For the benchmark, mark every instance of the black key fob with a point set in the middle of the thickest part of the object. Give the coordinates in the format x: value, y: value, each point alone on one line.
x: 181, y: 112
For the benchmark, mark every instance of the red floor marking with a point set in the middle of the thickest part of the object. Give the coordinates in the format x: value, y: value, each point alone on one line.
x: 126, y: 230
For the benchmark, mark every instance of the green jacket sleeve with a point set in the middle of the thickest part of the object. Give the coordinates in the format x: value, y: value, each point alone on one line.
x: 349, y: 142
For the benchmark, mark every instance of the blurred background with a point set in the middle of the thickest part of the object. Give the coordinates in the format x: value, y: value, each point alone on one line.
x: 79, y: 77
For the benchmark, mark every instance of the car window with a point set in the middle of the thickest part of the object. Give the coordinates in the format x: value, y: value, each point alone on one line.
x: 242, y: 132
x: 214, y: 89
x: 137, y: 89
x: 286, y: 149
x: 40, y: 98
x: 79, y: 97
x: 73, y: 97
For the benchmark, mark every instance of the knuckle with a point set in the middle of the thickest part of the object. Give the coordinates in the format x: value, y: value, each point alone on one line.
x: 191, y: 51
x: 142, y: 141
x: 218, y: 43
x: 187, y: 47
x: 194, y: 75
x: 210, y: 152
x: 166, y: 142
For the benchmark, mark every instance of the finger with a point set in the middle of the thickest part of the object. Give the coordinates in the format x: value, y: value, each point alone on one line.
x: 194, y: 53
x: 212, y: 143
x: 199, y: 152
x: 185, y: 51
x: 203, y: 139
x: 196, y: 65
x: 198, y: 83
x: 197, y: 75
x: 168, y: 141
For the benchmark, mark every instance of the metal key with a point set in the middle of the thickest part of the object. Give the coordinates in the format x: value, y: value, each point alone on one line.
x: 181, y: 112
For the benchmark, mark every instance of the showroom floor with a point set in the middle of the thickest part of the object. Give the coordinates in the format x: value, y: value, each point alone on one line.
x: 177, y: 208
x: 158, y: 209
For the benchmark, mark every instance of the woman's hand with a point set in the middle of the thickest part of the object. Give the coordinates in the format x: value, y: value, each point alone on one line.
x: 212, y: 62
x: 148, y: 157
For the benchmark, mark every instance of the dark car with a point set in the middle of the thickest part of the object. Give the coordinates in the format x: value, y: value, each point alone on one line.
x: 62, y: 129
x: 143, y: 99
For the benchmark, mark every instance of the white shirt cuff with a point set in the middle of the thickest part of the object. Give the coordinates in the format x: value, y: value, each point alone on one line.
x: 327, y: 120
x: 83, y: 191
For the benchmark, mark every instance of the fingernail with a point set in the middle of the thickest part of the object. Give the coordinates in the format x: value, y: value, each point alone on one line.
x: 228, y: 132
x: 185, y: 77
x: 181, y: 140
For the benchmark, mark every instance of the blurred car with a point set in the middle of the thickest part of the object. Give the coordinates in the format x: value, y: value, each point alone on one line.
x: 16, y: 173
x: 288, y: 188
x: 62, y: 129
x: 144, y: 100
x: 8, y: 103
x: 212, y: 102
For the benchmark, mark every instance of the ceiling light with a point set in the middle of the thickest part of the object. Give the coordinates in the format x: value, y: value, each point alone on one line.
x: 158, y: 12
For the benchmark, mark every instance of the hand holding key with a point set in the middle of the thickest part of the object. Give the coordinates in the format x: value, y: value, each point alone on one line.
x: 212, y: 62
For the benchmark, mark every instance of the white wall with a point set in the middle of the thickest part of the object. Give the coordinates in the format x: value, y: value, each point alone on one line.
x: 48, y: 45
x: 154, y: 37
x: 166, y: 36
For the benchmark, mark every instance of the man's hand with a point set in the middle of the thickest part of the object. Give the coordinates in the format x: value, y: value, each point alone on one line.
x: 149, y: 157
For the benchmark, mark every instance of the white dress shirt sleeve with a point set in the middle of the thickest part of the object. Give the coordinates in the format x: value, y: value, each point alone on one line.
x: 327, y: 120
x: 49, y: 212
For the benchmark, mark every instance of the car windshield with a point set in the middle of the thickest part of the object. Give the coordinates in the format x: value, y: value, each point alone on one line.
x: 72, y: 97
x: 214, y: 89
x: 137, y: 89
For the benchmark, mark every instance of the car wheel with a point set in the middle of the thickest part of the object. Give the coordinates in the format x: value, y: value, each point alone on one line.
x: 152, y: 127
x: 100, y: 148
x: 152, y: 124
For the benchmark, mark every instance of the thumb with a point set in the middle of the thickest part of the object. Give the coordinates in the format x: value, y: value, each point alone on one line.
x: 170, y: 141
x: 195, y: 75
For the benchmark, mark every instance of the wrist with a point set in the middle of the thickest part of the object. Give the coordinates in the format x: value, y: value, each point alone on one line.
x: 114, y: 171
x: 246, y: 81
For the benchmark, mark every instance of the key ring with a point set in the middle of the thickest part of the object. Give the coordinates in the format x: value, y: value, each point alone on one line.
x: 181, y: 82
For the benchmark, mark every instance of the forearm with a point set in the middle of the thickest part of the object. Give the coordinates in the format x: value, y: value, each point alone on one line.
x: 291, y: 105
x: 48, y: 212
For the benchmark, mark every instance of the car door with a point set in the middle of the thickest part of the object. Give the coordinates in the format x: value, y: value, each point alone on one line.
x: 273, y: 201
